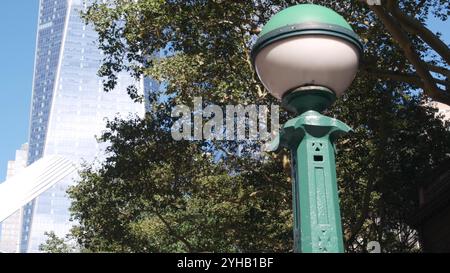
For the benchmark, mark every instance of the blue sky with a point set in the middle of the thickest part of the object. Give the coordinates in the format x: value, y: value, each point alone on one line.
x: 17, y: 31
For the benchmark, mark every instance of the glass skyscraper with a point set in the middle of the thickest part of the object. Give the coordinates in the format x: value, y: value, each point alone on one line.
x: 68, y: 111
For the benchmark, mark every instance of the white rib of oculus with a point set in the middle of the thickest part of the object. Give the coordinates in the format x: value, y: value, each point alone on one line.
x: 31, y: 182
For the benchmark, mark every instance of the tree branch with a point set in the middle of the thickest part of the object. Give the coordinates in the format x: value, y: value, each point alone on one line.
x: 414, y: 26
x: 174, y: 234
x: 405, y: 44
x: 410, y: 78
x: 438, y: 69
x: 395, y: 76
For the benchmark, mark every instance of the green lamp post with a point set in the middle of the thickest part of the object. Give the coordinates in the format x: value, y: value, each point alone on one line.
x: 307, y: 56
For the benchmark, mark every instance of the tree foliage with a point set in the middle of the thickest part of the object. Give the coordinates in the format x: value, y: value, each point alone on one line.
x: 158, y: 195
x: 210, y: 37
x: 55, y: 244
x: 154, y: 194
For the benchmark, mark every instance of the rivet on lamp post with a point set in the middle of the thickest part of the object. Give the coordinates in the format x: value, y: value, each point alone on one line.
x: 307, y: 56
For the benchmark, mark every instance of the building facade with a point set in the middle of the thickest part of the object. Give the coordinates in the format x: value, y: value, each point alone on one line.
x: 432, y: 220
x: 11, y: 227
x: 69, y: 109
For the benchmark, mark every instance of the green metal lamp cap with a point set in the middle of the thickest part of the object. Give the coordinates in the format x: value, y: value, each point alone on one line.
x: 305, y: 19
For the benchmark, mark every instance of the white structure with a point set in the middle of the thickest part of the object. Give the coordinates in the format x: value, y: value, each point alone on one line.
x: 10, y: 227
x: 31, y: 182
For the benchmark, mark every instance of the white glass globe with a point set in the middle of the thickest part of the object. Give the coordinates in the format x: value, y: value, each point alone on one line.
x: 307, y: 60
